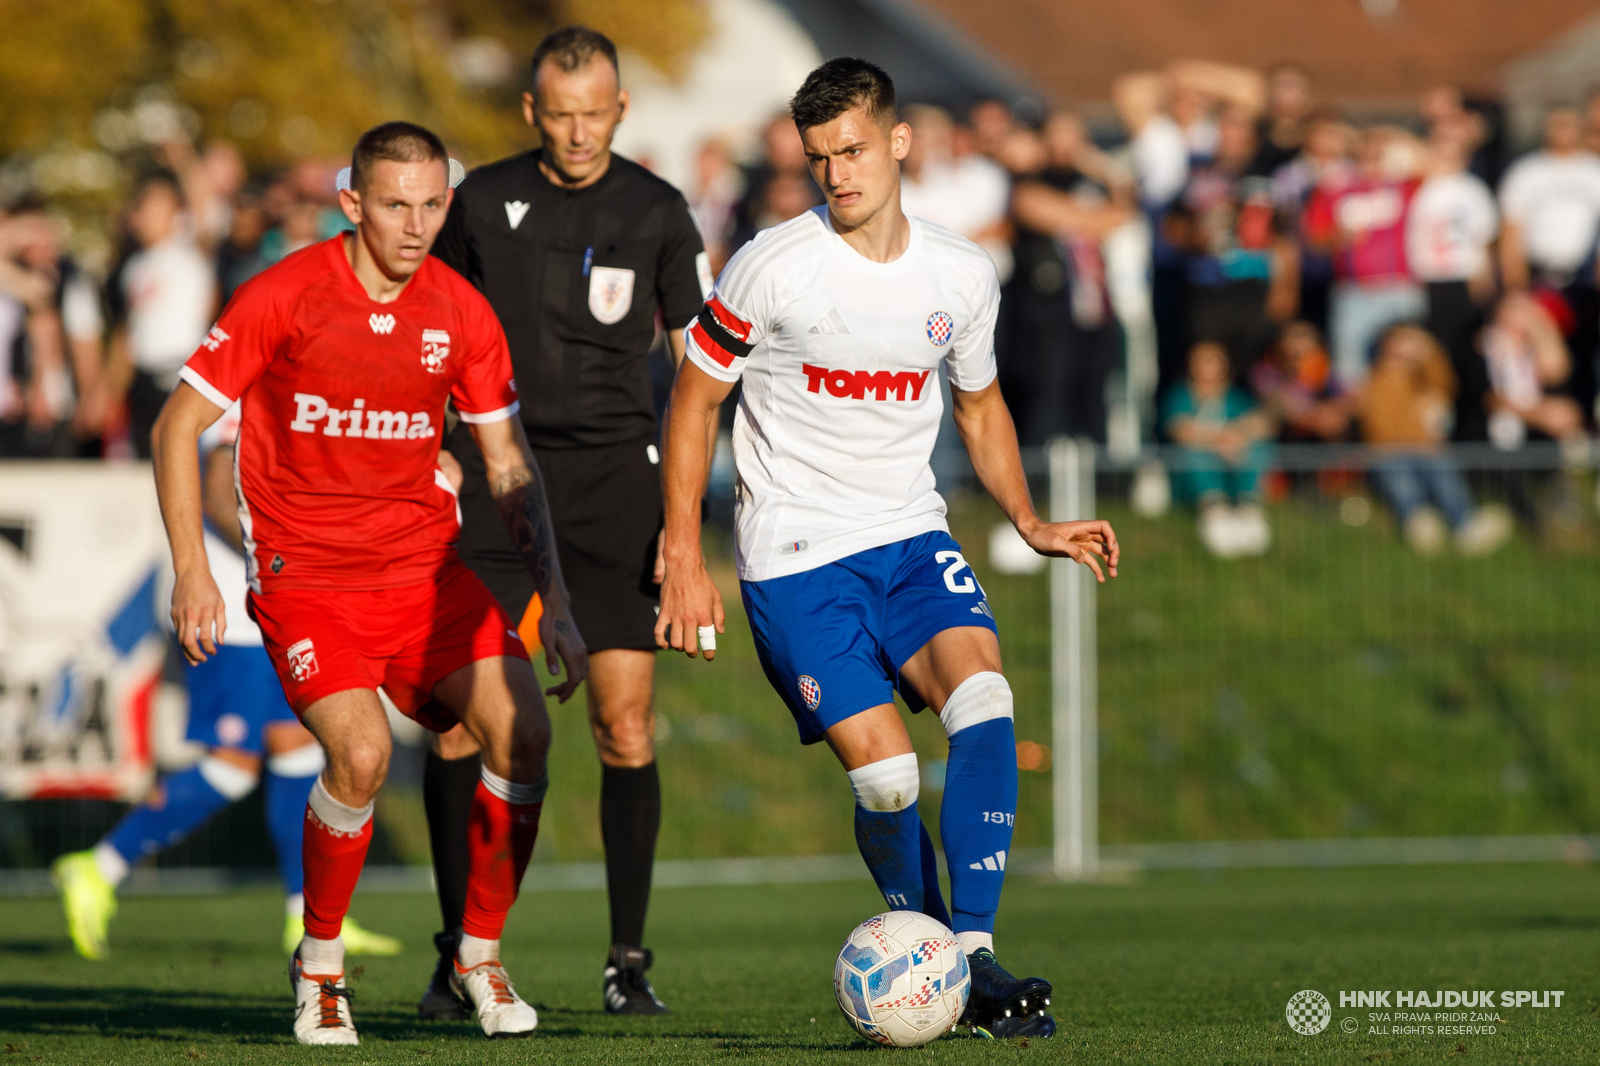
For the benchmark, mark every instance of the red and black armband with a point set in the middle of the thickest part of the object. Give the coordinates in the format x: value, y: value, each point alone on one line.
x: 721, y: 334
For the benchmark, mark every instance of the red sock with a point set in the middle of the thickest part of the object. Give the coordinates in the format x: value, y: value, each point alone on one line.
x: 333, y: 862
x: 500, y: 838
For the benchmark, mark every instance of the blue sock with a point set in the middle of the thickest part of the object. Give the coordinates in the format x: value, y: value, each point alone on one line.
x: 975, y: 822
x: 932, y: 898
x: 889, y: 843
x: 286, y: 797
x: 188, y: 801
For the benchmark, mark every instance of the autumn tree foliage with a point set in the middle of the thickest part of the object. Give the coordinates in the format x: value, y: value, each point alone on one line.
x: 284, y: 79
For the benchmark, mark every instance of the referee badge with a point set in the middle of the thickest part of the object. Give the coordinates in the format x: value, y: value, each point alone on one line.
x: 610, y: 293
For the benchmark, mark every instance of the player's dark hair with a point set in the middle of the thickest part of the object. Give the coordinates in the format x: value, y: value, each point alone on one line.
x: 571, y: 48
x: 396, y: 142
x: 841, y: 85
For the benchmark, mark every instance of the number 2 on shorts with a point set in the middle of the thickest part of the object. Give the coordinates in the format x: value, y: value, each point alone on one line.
x: 967, y: 584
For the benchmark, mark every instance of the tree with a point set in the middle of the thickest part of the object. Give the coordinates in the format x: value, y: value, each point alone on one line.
x: 285, y: 79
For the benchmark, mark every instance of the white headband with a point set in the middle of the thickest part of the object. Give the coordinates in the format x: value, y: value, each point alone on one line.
x: 457, y: 172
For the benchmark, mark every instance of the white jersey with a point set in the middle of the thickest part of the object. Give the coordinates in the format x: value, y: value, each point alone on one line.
x: 839, y: 409
x: 1449, y: 226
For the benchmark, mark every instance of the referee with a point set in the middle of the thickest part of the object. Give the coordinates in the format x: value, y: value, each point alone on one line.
x: 578, y: 251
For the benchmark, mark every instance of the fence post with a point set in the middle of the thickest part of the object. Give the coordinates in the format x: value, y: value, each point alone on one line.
x: 1073, y: 655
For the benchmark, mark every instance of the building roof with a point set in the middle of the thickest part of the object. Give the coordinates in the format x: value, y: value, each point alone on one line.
x: 1073, y: 49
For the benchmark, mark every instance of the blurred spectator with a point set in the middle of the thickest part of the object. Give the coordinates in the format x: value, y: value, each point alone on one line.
x: 1063, y: 339
x: 718, y: 186
x: 1444, y: 109
x: 1450, y: 228
x: 299, y: 226
x: 163, y: 301
x: 1550, y: 201
x: 1168, y: 115
x: 1242, y: 271
x: 1222, y: 437
x: 1324, y: 160
x: 1296, y: 385
x: 783, y: 159
x: 991, y: 122
x: 1362, y: 221
x: 240, y: 257
x: 968, y: 193
x: 1287, y: 121
x: 1528, y: 369
x: 1406, y: 405
x: 65, y: 338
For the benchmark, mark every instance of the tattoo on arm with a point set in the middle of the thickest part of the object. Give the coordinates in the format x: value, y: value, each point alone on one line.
x: 519, y: 493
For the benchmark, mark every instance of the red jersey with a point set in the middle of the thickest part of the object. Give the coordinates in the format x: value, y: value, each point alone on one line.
x: 1367, y: 216
x: 343, y: 414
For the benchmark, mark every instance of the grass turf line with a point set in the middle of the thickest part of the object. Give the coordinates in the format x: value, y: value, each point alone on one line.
x: 1174, y: 967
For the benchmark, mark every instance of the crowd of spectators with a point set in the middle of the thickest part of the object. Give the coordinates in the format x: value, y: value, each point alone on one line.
x: 1267, y: 268
x: 86, y: 363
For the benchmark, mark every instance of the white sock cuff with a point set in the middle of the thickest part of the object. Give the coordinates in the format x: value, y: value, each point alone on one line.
x: 979, y: 698
x: 322, y: 957
x: 232, y: 782
x: 513, y: 793
x: 972, y: 940
x: 113, y: 867
x: 301, y: 762
x: 337, y: 816
x: 295, y: 904
x: 887, y: 785
x: 474, y: 950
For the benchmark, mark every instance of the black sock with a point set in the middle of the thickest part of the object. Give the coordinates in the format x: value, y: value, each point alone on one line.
x: 630, y: 815
x: 448, y: 786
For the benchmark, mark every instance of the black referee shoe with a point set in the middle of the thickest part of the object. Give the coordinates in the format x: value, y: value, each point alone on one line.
x: 625, y: 987
x: 1003, y: 1007
x: 439, y: 1003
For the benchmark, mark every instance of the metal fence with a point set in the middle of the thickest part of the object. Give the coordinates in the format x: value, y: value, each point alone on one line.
x: 1339, y: 697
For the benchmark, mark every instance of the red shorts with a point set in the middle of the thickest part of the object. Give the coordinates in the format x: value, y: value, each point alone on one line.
x: 404, y: 639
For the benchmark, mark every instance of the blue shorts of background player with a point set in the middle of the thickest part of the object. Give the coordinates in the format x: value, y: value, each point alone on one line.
x: 832, y: 640
x: 233, y: 696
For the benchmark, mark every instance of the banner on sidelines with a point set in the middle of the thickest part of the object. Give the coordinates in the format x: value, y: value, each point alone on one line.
x: 80, y: 648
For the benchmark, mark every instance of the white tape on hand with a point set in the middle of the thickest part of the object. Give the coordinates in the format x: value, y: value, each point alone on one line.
x: 708, y: 637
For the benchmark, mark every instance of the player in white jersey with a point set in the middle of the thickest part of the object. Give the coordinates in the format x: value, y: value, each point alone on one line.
x: 836, y: 322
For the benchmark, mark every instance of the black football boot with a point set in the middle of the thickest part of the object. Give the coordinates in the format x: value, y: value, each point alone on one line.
x: 625, y: 987
x: 439, y: 1003
x: 1005, y: 1007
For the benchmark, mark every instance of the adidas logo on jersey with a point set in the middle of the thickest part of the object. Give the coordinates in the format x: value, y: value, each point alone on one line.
x: 830, y: 324
x: 856, y: 384
x: 382, y: 324
x: 310, y: 409
x: 997, y: 861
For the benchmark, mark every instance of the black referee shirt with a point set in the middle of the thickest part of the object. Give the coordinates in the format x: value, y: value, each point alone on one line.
x: 576, y: 277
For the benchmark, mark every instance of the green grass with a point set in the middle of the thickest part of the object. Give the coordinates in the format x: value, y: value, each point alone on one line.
x: 1178, y: 967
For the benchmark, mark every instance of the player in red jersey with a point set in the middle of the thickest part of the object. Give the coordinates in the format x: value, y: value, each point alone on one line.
x: 343, y: 356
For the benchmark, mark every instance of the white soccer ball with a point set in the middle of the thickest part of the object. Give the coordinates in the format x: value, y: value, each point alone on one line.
x: 901, y: 979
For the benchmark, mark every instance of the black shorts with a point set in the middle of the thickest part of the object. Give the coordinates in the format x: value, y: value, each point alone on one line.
x: 605, y: 503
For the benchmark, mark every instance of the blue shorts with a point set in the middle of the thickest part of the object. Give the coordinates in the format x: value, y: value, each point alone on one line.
x: 832, y: 640
x: 233, y: 695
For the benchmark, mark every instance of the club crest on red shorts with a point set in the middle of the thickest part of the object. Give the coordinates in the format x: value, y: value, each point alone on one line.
x: 302, y: 660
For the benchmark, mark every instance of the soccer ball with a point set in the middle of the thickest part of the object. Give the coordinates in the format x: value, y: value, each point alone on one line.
x: 902, y: 979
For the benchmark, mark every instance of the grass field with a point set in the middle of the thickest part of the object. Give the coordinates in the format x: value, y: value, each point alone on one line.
x: 1178, y: 967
